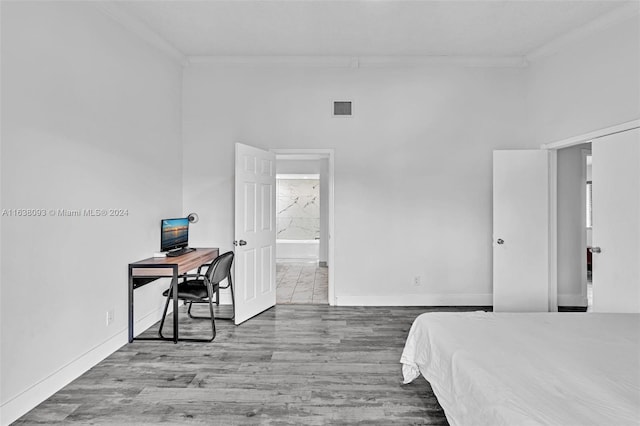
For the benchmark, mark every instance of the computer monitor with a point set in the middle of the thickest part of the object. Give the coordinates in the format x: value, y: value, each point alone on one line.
x: 174, y: 234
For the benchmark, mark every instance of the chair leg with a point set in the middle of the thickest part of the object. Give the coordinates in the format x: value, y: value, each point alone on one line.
x: 213, y: 325
x: 233, y: 302
x: 217, y: 290
x: 213, y: 318
x: 164, y: 313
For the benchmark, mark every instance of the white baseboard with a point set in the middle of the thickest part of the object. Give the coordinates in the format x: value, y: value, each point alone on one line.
x: 417, y: 300
x: 22, y: 403
x: 571, y: 300
x: 442, y: 300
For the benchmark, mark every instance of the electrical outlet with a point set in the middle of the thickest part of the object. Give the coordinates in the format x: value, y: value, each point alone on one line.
x: 110, y: 316
x: 417, y: 280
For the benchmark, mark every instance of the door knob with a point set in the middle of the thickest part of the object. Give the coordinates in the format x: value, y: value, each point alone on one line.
x: 595, y: 250
x: 240, y: 243
x: 500, y: 241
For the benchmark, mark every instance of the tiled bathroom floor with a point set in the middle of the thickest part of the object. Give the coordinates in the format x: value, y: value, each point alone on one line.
x: 301, y: 283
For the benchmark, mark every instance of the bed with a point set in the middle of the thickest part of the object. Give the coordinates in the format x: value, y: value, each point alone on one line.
x: 529, y: 368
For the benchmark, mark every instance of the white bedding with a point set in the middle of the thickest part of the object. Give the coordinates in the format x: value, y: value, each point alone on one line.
x: 529, y: 368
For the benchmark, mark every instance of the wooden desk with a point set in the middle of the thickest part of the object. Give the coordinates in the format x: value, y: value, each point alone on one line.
x: 147, y: 270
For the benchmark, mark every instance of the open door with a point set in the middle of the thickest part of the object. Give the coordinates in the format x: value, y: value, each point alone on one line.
x: 255, y: 232
x: 616, y: 222
x: 521, y: 231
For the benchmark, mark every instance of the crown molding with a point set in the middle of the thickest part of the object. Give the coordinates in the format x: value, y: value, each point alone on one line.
x: 139, y: 28
x: 462, y: 61
x: 303, y: 61
x: 619, y: 14
x: 364, y: 61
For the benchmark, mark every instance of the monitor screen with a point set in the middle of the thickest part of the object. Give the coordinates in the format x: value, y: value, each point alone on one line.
x: 174, y: 234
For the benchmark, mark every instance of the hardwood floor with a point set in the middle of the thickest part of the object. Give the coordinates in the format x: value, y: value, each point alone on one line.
x: 293, y: 364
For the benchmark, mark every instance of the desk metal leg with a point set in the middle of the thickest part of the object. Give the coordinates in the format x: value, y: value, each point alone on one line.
x: 174, y: 283
x: 130, y: 304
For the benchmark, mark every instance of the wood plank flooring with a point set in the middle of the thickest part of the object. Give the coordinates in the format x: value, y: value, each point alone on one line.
x: 293, y: 364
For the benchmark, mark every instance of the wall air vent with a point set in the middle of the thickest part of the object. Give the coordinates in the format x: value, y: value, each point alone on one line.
x: 342, y: 109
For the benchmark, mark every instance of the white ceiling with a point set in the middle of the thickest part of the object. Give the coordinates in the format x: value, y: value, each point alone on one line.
x: 364, y: 28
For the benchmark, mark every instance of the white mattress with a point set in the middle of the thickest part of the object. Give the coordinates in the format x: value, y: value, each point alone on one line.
x: 529, y: 368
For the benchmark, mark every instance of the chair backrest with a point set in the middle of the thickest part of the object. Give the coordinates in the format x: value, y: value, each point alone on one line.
x: 220, y: 268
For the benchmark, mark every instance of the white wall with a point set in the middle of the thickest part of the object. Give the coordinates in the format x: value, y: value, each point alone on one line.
x: 90, y: 119
x: 412, y: 166
x: 589, y: 85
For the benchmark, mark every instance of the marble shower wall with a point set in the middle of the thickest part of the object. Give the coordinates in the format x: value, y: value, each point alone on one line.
x: 298, y: 207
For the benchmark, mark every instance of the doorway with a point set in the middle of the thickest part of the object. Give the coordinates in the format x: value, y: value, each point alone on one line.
x: 573, y: 234
x: 304, y: 217
x: 301, y: 275
x: 614, y: 244
x: 588, y: 282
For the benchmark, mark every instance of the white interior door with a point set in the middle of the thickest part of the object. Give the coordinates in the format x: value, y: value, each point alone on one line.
x: 616, y: 222
x: 255, y: 232
x: 521, y: 231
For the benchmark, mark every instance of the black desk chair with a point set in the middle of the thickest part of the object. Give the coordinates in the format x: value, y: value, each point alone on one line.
x: 217, y: 286
x: 202, y: 290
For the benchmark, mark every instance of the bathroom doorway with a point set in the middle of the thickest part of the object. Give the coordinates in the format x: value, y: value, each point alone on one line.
x: 303, y: 205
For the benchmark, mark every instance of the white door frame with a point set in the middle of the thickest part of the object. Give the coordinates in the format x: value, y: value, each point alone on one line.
x: 319, y: 154
x: 553, y: 201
